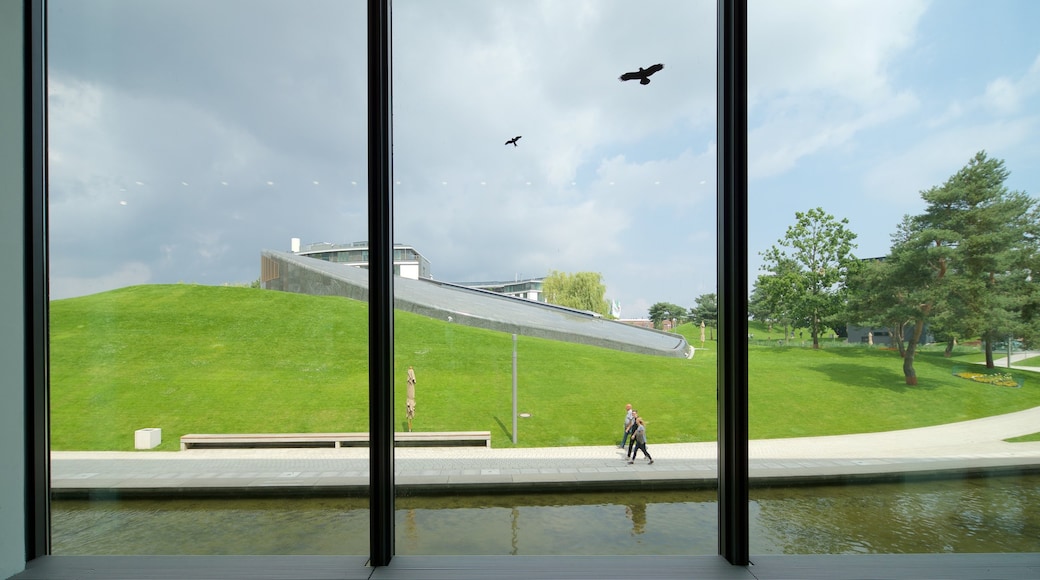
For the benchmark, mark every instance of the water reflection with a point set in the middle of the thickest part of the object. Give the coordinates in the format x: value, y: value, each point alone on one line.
x: 978, y: 515
x: 975, y: 515
x: 597, y: 523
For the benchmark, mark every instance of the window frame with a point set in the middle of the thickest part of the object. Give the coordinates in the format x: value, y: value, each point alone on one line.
x: 732, y: 376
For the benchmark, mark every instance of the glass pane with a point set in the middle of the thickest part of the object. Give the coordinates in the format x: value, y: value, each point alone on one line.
x: 191, y: 144
x: 557, y: 215
x: 877, y: 425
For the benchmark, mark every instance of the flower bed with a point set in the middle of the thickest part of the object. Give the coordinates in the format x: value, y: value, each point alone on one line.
x: 1000, y: 379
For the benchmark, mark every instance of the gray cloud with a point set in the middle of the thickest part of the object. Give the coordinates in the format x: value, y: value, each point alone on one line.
x: 187, y: 136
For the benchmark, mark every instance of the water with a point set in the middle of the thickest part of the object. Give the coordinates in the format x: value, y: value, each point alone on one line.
x: 974, y: 515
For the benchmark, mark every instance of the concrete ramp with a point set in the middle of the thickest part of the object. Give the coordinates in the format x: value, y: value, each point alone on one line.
x: 455, y: 304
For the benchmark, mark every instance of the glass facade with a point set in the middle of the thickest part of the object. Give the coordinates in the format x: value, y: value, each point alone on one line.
x: 388, y: 356
x: 878, y: 360
x: 552, y: 407
x: 171, y: 156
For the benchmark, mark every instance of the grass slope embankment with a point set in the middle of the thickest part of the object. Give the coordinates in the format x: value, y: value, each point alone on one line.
x: 204, y: 359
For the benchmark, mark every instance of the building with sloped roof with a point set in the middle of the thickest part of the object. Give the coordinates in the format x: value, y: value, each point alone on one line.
x: 456, y: 304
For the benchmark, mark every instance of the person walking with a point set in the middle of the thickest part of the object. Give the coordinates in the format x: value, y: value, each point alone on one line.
x: 640, y: 439
x: 628, y: 425
x: 409, y: 402
x: 632, y: 434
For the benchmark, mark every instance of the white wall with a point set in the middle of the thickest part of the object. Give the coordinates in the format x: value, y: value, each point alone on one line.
x: 12, y: 311
x: 410, y: 271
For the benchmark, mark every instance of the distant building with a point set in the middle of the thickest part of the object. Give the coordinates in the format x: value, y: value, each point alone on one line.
x: 530, y: 289
x: 408, y: 262
x: 881, y: 336
x: 640, y: 322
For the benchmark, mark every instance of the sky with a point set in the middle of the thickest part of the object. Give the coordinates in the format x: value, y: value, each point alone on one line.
x: 185, y: 137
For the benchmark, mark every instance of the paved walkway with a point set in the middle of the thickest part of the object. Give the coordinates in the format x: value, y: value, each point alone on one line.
x: 976, y: 445
x: 971, y: 445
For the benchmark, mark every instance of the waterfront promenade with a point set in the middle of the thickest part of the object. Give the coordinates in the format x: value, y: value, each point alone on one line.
x: 951, y: 450
x: 970, y: 447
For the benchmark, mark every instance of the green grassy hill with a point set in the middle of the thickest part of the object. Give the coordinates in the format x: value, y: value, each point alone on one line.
x: 205, y: 359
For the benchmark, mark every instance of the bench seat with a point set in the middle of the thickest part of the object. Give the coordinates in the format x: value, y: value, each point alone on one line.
x: 401, y: 439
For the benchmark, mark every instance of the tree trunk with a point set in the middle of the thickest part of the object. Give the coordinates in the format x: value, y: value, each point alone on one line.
x: 989, y: 353
x: 952, y: 342
x: 911, y: 349
x: 896, y: 336
x: 816, y: 332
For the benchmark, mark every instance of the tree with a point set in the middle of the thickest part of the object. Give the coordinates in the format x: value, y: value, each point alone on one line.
x: 581, y: 291
x: 918, y: 266
x: 758, y: 307
x: 889, y: 292
x: 819, y: 249
x: 964, y: 264
x: 777, y: 292
x: 706, y: 310
x: 665, y: 310
x: 989, y: 233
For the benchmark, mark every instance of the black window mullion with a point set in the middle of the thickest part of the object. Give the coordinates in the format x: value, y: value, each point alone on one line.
x: 732, y: 268
x: 380, y: 287
x: 37, y: 396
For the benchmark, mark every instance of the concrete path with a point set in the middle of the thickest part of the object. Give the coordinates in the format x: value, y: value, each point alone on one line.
x: 976, y: 446
x: 969, y: 446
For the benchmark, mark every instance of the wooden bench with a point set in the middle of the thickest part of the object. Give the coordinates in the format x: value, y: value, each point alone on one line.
x: 401, y: 439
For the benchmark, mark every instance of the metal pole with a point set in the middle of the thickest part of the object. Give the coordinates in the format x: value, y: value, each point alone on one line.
x: 514, y: 389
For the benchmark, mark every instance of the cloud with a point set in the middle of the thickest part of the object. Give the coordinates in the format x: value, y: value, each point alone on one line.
x: 1003, y: 96
x: 898, y: 179
x: 818, y: 75
x: 260, y: 108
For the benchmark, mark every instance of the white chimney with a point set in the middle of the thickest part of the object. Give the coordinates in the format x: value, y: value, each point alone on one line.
x: 294, y: 244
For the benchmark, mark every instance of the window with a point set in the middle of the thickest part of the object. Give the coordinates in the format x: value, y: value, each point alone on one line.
x: 862, y: 143
x: 603, y: 172
x: 733, y: 527
x: 196, y: 157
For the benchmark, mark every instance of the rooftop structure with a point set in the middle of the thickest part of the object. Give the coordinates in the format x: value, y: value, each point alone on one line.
x: 408, y: 262
x: 530, y: 289
x: 290, y: 272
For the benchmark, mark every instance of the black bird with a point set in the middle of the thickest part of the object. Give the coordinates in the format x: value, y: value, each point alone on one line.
x: 514, y: 140
x: 643, y: 74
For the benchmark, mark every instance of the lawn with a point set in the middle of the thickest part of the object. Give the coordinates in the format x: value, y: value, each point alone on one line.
x: 208, y: 359
x: 1029, y: 362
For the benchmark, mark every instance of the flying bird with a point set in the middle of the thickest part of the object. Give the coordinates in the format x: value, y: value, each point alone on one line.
x: 514, y: 140
x: 643, y: 74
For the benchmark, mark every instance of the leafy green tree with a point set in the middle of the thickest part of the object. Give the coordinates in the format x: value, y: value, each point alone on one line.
x: 989, y: 233
x: 706, y: 310
x: 665, y: 310
x: 758, y: 307
x: 778, y: 291
x: 581, y: 291
x: 964, y: 264
x: 820, y: 249
x: 918, y: 270
x: 880, y: 295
